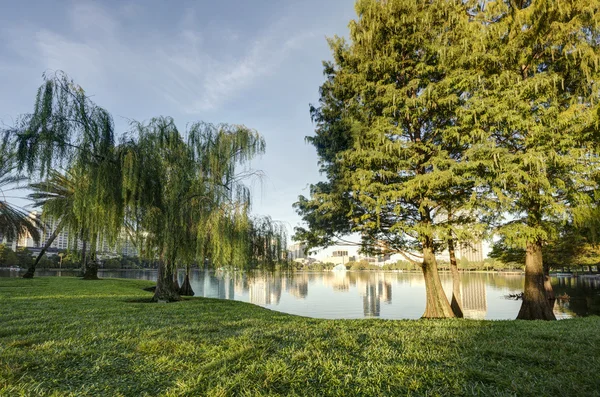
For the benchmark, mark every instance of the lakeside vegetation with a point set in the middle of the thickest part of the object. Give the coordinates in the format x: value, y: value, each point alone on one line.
x: 446, y: 122
x: 66, y: 337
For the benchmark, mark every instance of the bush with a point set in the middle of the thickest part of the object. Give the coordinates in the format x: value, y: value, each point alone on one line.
x: 362, y: 265
x: 400, y: 265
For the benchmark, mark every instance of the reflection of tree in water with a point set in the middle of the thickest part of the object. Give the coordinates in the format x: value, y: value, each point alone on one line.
x: 217, y: 286
x: 512, y: 282
x: 583, y: 293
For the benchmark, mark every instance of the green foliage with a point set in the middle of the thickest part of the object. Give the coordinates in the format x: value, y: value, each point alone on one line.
x: 571, y: 247
x: 320, y: 266
x: 535, y: 97
x: 24, y: 257
x: 362, y: 265
x: 14, y: 221
x: 66, y: 130
x: 400, y: 265
x: 45, y: 262
x: 386, y: 132
x: 7, y: 256
x: 179, y: 197
x: 61, y: 337
x: 186, y: 200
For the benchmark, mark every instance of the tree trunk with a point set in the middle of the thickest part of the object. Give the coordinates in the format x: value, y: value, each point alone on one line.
x: 31, y: 271
x: 535, y: 304
x: 175, y: 280
x: 91, y: 270
x: 456, y: 303
x: 186, y: 287
x: 83, y: 257
x: 165, y: 287
x: 548, y: 286
x: 437, y: 305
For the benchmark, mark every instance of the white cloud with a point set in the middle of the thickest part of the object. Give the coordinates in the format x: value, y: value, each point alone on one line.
x: 185, y: 67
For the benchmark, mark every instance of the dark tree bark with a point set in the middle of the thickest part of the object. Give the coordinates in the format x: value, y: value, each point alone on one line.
x: 31, y: 271
x: 175, y: 280
x: 83, y: 258
x: 91, y: 270
x: 548, y: 286
x: 535, y: 304
x: 186, y: 287
x: 456, y: 303
x: 437, y: 305
x: 166, y: 290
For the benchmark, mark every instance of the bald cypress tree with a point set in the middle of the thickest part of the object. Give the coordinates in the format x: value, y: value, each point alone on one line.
x: 387, y: 137
x: 537, y: 100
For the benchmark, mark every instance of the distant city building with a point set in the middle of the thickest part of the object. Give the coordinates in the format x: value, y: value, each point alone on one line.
x: 297, y: 251
x: 473, y: 251
x: 63, y: 241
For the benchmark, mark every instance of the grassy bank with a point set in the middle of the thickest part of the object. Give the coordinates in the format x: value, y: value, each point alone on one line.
x: 69, y: 337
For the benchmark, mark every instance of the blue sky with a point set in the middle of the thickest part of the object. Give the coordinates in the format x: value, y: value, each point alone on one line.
x: 256, y: 63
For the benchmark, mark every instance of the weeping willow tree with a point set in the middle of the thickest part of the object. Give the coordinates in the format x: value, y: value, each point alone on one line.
x: 267, y: 243
x: 185, y: 192
x: 67, y: 130
x: 181, y: 196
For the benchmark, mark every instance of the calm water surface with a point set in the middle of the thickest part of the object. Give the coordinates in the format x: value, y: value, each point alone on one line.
x: 389, y: 295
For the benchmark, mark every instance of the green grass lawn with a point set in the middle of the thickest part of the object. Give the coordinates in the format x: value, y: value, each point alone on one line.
x: 68, y: 337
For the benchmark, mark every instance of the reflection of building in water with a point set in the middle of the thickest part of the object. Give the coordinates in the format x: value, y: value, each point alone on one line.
x: 371, y: 303
x: 375, y: 289
x: 265, y: 290
x: 298, y: 286
x: 474, y: 299
x: 241, y: 285
x: 216, y: 287
x: 339, y: 281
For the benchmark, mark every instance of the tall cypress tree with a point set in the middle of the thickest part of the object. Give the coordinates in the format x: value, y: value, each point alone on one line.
x: 387, y: 137
x: 537, y: 96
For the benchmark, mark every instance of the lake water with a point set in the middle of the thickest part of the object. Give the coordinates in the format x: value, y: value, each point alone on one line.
x: 361, y: 294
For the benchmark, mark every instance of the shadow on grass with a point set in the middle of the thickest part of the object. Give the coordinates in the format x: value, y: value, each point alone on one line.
x: 89, y: 346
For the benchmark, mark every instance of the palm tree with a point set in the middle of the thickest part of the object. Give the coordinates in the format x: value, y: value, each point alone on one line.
x: 14, y: 221
x: 56, y: 197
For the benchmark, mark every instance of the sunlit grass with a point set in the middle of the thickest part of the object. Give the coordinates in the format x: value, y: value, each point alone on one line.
x: 62, y: 337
